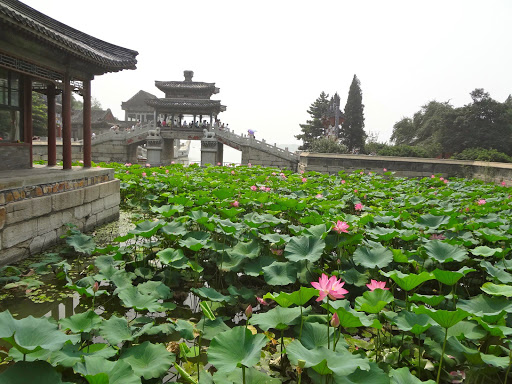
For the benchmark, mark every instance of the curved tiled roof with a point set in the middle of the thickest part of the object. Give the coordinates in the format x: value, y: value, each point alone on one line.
x: 186, y: 85
x: 184, y: 105
x: 108, y: 56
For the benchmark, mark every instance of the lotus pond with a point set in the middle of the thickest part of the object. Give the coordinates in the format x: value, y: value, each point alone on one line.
x: 256, y: 275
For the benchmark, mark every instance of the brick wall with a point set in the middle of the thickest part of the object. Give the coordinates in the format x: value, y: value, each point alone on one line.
x: 14, y: 156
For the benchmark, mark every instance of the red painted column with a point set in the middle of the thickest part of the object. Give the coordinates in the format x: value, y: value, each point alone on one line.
x: 66, y: 123
x: 27, y: 113
x: 87, y: 122
x: 52, y: 133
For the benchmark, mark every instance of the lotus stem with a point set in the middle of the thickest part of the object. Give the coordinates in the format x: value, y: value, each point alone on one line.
x: 419, y: 356
x: 509, y: 365
x: 301, y: 323
x: 328, y: 339
x: 282, y: 344
x: 243, y: 373
x: 442, y: 357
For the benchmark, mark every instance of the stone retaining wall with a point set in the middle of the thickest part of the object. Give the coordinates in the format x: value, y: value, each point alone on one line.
x: 406, y: 166
x: 15, y: 156
x: 33, y: 214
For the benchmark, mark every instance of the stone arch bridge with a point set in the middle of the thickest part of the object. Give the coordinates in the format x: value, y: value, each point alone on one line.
x: 122, y: 147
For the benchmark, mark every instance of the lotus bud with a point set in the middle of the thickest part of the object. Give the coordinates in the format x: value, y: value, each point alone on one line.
x: 335, y: 321
x: 95, y: 287
x: 301, y: 363
x: 248, y: 311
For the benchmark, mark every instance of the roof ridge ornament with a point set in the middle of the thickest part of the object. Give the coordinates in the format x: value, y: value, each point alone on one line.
x: 188, y: 75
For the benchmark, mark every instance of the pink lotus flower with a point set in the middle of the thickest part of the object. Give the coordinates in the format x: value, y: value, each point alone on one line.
x: 277, y: 252
x: 355, y: 190
x: 437, y: 236
x: 343, y: 181
x: 331, y: 287
x: 235, y: 203
x: 358, y: 207
x: 232, y: 172
x: 319, y: 196
x: 481, y: 202
x: 127, y: 164
x: 335, y: 321
x: 154, y: 173
x: 218, y: 163
x: 340, y: 227
x: 248, y: 311
x: 441, y: 178
x: 166, y: 171
x: 81, y: 161
x: 267, y: 189
x: 384, y: 170
x: 304, y: 179
x: 284, y: 177
x: 143, y: 174
x: 127, y: 172
x: 445, y: 181
x: 273, y: 173
x: 172, y: 162
x: 249, y: 165
x: 261, y: 301
x: 432, y: 176
x: 301, y: 172
x: 254, y: 188
x: 263, y: 188
x: 148, y: 165
x: 361, y: 173
x: 374, y: 284
x: 503, y: 183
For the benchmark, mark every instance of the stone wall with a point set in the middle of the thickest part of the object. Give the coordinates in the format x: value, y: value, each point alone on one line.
x: 406, y: 166
x: 35, y: 207
x: 40, y: 151
x: 15, y: 156
x: 265, y: 159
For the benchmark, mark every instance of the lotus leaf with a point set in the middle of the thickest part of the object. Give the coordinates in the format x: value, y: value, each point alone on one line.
x: 236, y: 347
x: 148, y: 360
x: 279, y: 273
x: 81, y: 243
x: 82, y: 322
x: 96, y: 370
x: 404, y: 376
x: 39, y: 372
x: 373, y: 301
x: 304, y: 248
x: 300, y: 297
x: 445, y: 319
x: 213, y: 295
x: 408, y: 281
x: 278, y: 318
x: 378, y: 257
x: 497, y: 289
x: 444, y: 252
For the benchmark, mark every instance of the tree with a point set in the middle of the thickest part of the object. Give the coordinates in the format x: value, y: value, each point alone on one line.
x: 352, y: 129
x: 39, y: 114
x: 78, y: 105
x: 95, y: 104
x: 327, y: 145
x: 313, y: 129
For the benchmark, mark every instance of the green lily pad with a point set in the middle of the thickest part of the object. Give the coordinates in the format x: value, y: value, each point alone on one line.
x: 116, y: 330
x: 451, y: 277
x: 212, y: 295
x: 300, y: 297
x: 304, y: 248
x: 444, y: 252
x: 279, y: 273
x: 81, y: 243
x: 408, y: 281
x: 485, y: 251
x: 497, y: 289
x: 24, y: 372
x: 82, y: 322
x: 278, y: 318
x: 445, y: 319
x: 404, y: 376
x: 482, y: 305
x: 412, y: 322
x: 234, y: 348
x: 373, y: 301
x: 378, y: 257
x: 98, y: 370
x: 148, y: 360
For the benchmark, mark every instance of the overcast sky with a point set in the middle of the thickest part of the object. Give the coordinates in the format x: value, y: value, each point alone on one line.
x: 272, y: 59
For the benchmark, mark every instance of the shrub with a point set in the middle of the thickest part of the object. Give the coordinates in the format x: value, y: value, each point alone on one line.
x: 407, y: 151
x: 481, y: 154
x: 325, y: 145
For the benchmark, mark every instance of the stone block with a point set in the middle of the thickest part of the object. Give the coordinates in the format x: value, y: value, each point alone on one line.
x: 49, y: 223
x: 83, y: 211
x: 67, y: 199
x: 13, y: 255
x: 90, y: 223
x: 112, y: 200
x: 2, y: 198
x: 109, y: 188
x: 39, y: 243
x: 19, y: 211
x: 97, y: 206
x: 41, y: 206
x: 17, y: 233
x: 3, y: 216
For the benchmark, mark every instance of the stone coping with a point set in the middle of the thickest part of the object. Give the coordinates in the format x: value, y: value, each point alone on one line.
x: 407, y: 159
x: 42, y: 174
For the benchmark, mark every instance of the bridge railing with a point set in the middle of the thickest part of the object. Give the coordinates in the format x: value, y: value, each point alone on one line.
x: 258, y: 144
x: 120, y: 135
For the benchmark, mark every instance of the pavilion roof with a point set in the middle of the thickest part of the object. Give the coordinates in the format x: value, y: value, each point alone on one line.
x: 97, y: 116
x: 137, y: 100
x: 186, y: 106
x: 105, y: 56
x: 192, y: 86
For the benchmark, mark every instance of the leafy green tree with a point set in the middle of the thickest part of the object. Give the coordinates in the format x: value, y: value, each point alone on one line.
x: 404, y: 132
x: 39, y: 114
x: 76, y: 104
x: 95, y: 104
x: 313, y: 129
x: 327, y: 145
x: 352, y: 130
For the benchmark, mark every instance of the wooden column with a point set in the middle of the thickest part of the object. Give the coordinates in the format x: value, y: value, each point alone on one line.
x: 52, y: 129
x: 27, y: 114
x: 87, y: 123
x: 66, y: 123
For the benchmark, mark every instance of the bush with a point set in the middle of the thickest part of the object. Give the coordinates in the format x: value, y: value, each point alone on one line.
x: 407, y: 151
x: 481, y: 154
x: 325, y: 145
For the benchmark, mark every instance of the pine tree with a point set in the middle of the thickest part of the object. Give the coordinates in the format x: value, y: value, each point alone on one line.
x: 313, y: 129
x: 39, y: 114
x: 352, y: 130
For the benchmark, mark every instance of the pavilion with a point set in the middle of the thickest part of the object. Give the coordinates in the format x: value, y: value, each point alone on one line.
x: 186, y: 98
x: 40, y: 54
